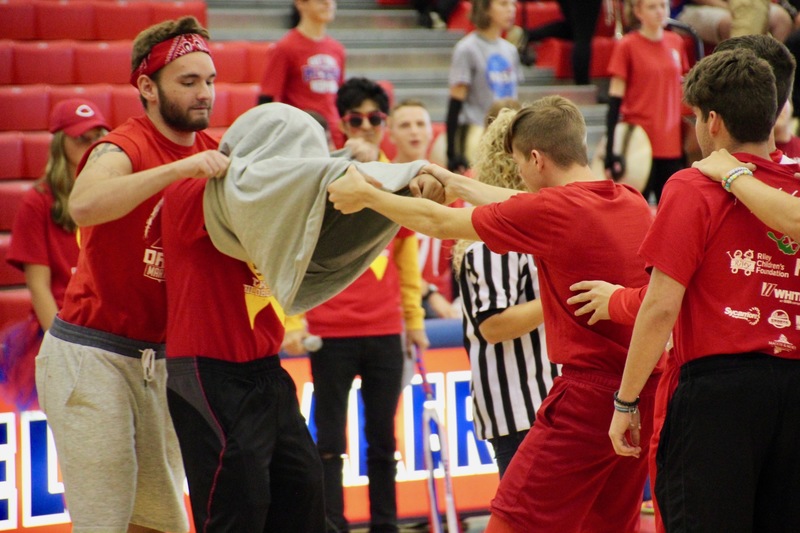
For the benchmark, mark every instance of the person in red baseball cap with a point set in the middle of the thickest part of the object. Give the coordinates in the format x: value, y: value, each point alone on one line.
x: 43, y: 244
x: 82, y: 123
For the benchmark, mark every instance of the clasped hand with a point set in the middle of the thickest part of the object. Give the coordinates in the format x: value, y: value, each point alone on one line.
x: 351, y: 192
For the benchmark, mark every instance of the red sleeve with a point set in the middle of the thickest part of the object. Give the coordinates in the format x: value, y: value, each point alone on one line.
x: 509, y: 226
x: 677, y: 238
x: 618, y: 64
x: 275, y: 72
x: 624, y: 304
x: 29, y: 232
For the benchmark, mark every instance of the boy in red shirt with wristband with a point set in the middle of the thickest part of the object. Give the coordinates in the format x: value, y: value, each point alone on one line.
x: 564, y: 477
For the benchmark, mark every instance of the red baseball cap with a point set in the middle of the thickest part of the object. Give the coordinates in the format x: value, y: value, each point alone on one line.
x: 75, y: 117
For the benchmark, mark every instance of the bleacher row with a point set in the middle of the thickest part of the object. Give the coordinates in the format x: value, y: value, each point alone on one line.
x: 89, y: 19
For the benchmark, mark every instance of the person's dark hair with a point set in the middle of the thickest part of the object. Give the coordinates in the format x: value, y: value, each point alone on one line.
x: 552, y: 125
x: 355, y: 91
x: 775, y: 53
x: 479, y: 15
x: 294, y: 17
x: 319, y: 118
x: 158, y: 33
x: 738, y: 86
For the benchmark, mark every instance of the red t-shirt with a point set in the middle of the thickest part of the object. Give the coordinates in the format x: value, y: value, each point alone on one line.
x: 652, y: 71
x: 741, y: 277
x: 218, y: 306
x: 368, y: 307
x: 580, y: 231
x: 307, y: 74
x: 117, y: 287
x: 36, y: 239
x: 791, y: 148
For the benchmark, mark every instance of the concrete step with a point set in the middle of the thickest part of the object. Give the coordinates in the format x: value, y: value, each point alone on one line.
x: 351, y: 39
x: 279, y: 17
x: 425, y: 76
x: 399, y: 58
x: 435, y: 98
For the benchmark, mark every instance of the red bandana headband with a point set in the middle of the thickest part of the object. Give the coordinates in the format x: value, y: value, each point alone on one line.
x: 168, y: 51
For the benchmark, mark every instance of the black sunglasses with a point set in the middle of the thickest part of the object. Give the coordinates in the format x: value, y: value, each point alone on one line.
x: 355, y: 119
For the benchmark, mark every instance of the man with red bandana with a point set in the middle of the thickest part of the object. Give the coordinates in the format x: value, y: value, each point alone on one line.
x: 101, y: 372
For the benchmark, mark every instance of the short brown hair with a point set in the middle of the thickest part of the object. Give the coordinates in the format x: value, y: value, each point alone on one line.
x: 158, y: 33
x: 773, y: 52
x: 499, y: 105
x: 740, y: 88
x: 479, y: 15
x: 552, y: 125
x: 409, y: 102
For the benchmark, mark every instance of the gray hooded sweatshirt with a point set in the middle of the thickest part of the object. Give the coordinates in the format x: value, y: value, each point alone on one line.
x: 272, y: 207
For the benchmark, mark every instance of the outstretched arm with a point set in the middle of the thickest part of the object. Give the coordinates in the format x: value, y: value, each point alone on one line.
x: 352, y: 193
x: 775, y: 208
x: 470, y: 190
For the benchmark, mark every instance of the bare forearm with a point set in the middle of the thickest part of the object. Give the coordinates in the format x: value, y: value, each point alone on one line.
x: 775, y: 208
x: 513, y: 322
x: 651, y: 332
x: 37, y: 279
x: 95, y: 202
x: 424, y: 216
x: 476, y: 192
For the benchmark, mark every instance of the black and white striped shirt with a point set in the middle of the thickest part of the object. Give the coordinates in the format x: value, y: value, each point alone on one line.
x: 509, y: 379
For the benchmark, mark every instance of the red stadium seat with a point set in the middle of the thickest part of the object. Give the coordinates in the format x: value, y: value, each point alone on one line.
x: 36, y: 150
x: 24, y: 107
x: 535, y: 14
x: 103, y: 62
x: 120, y: 19
x: 11, y: 193
x: 19, y: 20
x: 64, y: 19
x: 556, y: 54
x: 9, y: 275
x: 257, y: 52
x: 230, y: 60
x: 51, y: 62
x: 389, y: 88
x: 6, y: 62
x: 15, y: 305
x: 219, y: 115
x: 99, y: 93
x: 242, y: 97
x: 125, y: 104
x: 174, y: 10
x: 11, y: 155
x: 459, y: 18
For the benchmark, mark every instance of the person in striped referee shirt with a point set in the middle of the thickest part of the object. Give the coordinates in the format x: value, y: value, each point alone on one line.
x: 503, y: 320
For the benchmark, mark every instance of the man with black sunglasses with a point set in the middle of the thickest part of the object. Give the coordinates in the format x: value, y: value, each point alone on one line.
x: 363, y: 106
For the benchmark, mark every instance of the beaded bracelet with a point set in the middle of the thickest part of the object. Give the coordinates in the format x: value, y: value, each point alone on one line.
x: 732, y: 174
x: 623, y: 406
